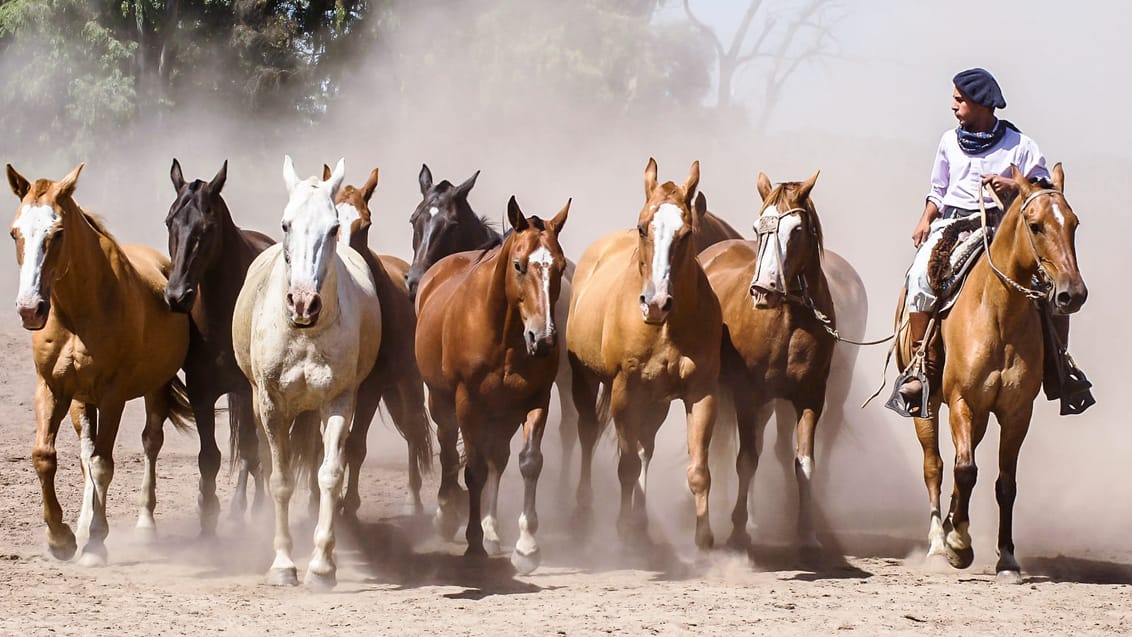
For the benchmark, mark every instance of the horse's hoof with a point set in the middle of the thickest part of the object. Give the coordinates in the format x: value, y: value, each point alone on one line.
x: 63, y: 550
x: 811, y: 553
x: 93, y: 556
x: 446, y: 524
x: 526, y: 563
x: 738, y: 541
x: 491, y: 546
x: 288, y: 576
x: 320, y: 582
x: 704, y: 539
x: 960, y: 558
x: 1008, y: 577
x: 146, y: 531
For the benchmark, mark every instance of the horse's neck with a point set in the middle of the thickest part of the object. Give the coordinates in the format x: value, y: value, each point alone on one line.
x: 87, y: 285
x: 235, y: 254
x: 1013, y: 255
x: 482, y: 235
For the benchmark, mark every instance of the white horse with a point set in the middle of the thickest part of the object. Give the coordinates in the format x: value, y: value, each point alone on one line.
x: 306, y: 330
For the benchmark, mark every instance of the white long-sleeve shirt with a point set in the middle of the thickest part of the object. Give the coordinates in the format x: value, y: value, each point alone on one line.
x: 956, y: 176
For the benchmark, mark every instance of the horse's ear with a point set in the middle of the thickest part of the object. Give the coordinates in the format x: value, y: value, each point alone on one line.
x: 370, y: 186
x: 559, y: 219
x: 66, y: 185
x: 20, y: 186
x: 699, y: 209
x: 808, y: 186
x: 515, y: 216
x: 425, y: 179
x: 176, y: 176
x: 692, y: 183
x: 463, y: 189
x: 217, y: 183
x: 1057, y: 175
x: 764, y: 186
x: 335, y: 180
x: 1024, y: 187
x: 650, y: 177
x: 290, y: 177
x: 325, y: 172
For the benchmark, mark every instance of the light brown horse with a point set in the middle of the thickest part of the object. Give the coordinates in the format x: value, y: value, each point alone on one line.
x: 773, y: 346
x: 395, y: 377
x: 645, y: 323
x: 710, y: 229
x: 488, y: 348
x: 994, y: 346
x: 102, y: 334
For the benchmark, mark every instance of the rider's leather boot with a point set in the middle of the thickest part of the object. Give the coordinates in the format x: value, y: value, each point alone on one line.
x: 912, y: 389
x: 1065, y: 380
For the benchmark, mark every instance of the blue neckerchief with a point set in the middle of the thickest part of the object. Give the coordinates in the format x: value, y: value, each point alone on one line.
x: 977, y: 143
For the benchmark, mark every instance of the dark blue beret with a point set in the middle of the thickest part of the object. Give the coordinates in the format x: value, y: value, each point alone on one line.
x: 980, y: 86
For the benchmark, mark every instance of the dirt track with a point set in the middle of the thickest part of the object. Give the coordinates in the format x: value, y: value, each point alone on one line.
x: 396, y: 577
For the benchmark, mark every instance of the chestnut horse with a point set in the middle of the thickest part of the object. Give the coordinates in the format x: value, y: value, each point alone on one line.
x: 306, y: 332
x: 994, y: 348
x: 395, y: 377
x: 211, y: 256
x: 646, y: 325
x: 102, y: 334
x: 773, y: 346
x: 488, y: 348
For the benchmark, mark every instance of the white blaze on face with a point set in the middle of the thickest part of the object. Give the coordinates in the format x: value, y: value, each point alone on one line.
x: 432, y: 211
x: 310, y: 216
x: 34, y: 224
x: 543, y: 259
x: 769, y: 257
x: 347, y: 215
x: 1057, y: 212
x: 665, y: 223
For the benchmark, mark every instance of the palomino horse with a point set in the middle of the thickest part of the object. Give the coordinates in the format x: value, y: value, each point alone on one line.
x: 773, y: 346
x: 102, y: 334
x: 395, y: 377
x: 443, y: 224
x: 488, y: 349
x: 306, y: 331
x: 211, y: 256
x: 993, y: 339
x: 646, y: 324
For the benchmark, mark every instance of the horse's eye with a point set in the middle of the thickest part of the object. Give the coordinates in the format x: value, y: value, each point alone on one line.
x: 518, y: 266
x: 286, y: 226
x: 1036, y: 228
x: 334, y: 230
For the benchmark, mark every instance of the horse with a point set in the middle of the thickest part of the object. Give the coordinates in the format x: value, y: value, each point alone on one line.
x: 488, y: 349
x: 774, y: 346
x: 646, y: 328
x: 994, y: 347
x: 101, y: 335
x: 306, y: 331
x: 395, y: 377
x: 443, y: 224
x: 211, y: 256
x: 709, y: 228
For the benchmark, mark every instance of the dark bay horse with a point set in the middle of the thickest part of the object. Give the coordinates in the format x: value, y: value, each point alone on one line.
x: 708, y: 228
x: 488, y: 348
x: 443, y: 224
x: 211, y: 256
x: 646, y: 325
x: 994, y: 348
x: 395, y: 377
x: 773, y: 346
x: 102, y: 334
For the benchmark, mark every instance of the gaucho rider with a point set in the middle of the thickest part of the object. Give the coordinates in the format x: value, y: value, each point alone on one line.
x: 979, y: 151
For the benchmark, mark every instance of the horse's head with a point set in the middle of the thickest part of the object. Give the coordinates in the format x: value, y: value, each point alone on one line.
x: 789, y: 235
x: 665, y: 228
x: 310, y: 232
x: 195, y: 224
x: 534, y: 265
x: 38, y: 232
x: 436, y: 223
x: 1052, y: 227
x: 353, y: 209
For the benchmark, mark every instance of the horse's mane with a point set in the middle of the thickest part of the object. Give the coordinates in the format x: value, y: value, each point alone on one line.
x: 98, y: 224
x: 40, y: 188
x: 779, y: 195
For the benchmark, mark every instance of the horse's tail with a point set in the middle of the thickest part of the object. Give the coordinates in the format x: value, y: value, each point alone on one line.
x: 180, y: 409
x: 418, y: 434
x: 235, y: 408
x: 603, y: 411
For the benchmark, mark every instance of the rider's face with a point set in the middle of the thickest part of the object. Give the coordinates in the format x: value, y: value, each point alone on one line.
x: 967, y: 111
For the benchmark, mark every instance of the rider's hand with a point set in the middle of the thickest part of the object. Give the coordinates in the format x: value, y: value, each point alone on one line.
x: 1002, y: 186
x: 920, y: 234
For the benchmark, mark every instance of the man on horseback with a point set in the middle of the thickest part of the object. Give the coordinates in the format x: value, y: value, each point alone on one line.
x: 977, y: 154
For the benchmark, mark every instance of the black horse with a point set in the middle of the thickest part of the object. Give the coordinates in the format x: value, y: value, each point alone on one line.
x: 210, y: 258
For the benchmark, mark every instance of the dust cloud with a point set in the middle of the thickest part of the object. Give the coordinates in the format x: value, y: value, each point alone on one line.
x: 868, y: 119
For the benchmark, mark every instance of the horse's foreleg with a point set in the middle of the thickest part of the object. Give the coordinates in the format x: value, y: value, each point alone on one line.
x: 357, y: 447
x: 336, y: 417
x: 583, y: 394
x: 84, y: 417
x: 967, y: 429
x: 100, y: 471
x: 208, y: 460
x: 927, y: 430
x: 701, y: 420
x: 448, y: 497
x: 808, y: 416
x: 246, y: 445
x: 750, y: 417
x: 632, y: 522
x: 1014, y: 428
x: 498, y: 452
x: 526, y: 556
x: 475, y: 475
x: 567, y: 415
x: 153, y: 438
x: 282, y: 480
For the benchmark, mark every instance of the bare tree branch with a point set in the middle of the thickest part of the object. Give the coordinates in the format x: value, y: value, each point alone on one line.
x: 705, y: 28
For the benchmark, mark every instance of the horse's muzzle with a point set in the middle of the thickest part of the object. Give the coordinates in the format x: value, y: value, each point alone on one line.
x: 766, y: 296
x: 304, y: 308
x: 655, y: 311
x: 181, y: 300
x: 540, y: 345
x: 1067, y: 299
x: 34, y: 316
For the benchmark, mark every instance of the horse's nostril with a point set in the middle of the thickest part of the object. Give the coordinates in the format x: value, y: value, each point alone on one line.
x: 41, y: 308
x: 667, y: 304
x: 1064, y: 298
x: 315, y: 306
x: 290, y: 300
x: 642, y: 299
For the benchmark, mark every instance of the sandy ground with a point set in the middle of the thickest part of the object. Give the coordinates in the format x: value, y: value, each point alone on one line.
x: 397, y: 577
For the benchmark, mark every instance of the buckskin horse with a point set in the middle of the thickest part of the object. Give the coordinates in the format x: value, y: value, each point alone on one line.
x: 992, y: 336
x: 395, y: 377
x: 488, y: 348
x: 101, y: 335
x: 306, y: 332
x: 443, y: 224
x: 773, y: 344
x: 646, y: 327
x: 211, y: 256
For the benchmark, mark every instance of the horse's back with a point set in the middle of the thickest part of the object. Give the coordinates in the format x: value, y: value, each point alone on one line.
x: 445, y: 276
